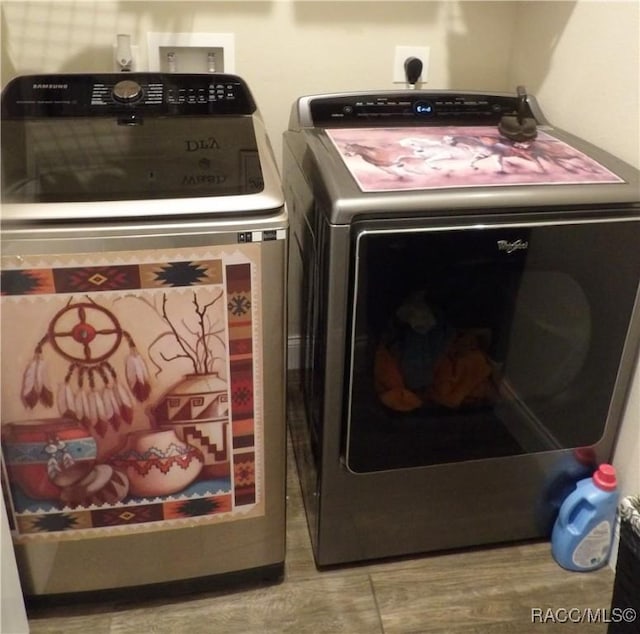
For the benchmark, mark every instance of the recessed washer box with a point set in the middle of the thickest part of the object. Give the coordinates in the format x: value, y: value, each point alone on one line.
x: 192, y: 52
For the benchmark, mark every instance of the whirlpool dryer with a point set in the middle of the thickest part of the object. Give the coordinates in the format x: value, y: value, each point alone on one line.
x: 468, y: 312
x: 143, y: 274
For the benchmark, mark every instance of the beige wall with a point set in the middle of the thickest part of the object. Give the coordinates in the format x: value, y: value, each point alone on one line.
x: 582, y: 60
x: 580, y: 57
x: 283, y: 49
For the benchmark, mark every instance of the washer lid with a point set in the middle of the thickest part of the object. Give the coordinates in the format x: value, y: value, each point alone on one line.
x: 97, y: 159
x: 95, y: 139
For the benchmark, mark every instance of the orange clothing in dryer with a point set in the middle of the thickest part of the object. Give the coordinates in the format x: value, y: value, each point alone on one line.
x: 389, y: 383
x: 462, y: 373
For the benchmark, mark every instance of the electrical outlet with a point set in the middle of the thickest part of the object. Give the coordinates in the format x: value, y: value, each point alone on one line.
x: 191, y: 52
x: 400, y: 55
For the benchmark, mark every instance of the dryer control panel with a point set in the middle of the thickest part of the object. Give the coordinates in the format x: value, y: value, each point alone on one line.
x: 410, y: 108
x: 126, y: 94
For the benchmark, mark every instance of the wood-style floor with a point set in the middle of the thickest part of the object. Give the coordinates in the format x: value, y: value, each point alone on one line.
x: 507, y: 589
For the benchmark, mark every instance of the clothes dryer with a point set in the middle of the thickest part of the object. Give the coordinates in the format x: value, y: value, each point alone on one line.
x: 468, y: 316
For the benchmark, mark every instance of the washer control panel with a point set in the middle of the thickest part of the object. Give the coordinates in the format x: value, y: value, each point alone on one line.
x: 130, y: 95
x: 411, y: 108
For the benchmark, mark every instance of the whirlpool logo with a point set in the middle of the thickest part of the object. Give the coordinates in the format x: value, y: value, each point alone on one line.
x: 511, y: 246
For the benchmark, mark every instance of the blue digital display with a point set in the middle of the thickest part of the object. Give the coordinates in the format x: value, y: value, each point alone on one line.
x: 423, y: 108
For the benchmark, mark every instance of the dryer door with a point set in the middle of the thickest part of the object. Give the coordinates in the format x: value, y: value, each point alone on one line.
x: 470, y: 343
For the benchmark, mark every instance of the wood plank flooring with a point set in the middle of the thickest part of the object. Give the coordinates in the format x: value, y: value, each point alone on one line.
x: 503, y: 590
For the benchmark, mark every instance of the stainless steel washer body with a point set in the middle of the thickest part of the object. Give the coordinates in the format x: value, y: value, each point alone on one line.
x: 143, y: 335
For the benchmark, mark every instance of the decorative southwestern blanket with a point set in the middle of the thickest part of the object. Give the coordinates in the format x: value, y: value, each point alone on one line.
x: 131, y: 392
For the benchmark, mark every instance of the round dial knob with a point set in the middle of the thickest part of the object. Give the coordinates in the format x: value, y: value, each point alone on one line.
x: 127, y: 90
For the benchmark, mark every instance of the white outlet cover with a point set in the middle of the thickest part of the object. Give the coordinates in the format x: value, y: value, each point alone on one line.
x: 401, y: 54
x: 156, y: 41
x: 135, y: 59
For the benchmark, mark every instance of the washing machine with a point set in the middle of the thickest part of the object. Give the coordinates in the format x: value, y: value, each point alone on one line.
x: 468, y: 316
x: 144, y: 240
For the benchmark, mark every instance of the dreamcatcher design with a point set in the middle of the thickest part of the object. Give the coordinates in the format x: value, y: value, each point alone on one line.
x: 87, y: 335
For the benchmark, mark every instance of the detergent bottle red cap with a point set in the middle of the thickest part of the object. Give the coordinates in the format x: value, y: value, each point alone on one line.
x: 605, y: 477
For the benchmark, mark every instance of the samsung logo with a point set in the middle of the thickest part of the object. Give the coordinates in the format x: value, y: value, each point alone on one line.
x: 50, y: 86
x: 510, y: 247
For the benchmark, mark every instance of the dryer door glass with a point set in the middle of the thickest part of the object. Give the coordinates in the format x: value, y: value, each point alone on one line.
x: 474, y: 343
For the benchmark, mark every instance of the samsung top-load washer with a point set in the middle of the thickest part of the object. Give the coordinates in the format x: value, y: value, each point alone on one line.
x: 468, y: 314
x: 143, y: 333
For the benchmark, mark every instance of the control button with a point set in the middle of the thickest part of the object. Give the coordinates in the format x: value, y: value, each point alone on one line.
x: 127, y: 91
x: 347, y: 109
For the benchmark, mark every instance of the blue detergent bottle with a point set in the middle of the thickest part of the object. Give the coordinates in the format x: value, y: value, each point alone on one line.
x: 583, y: 532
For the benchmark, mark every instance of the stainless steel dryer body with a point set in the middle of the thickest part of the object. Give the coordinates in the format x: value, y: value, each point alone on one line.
x: 468, y: 317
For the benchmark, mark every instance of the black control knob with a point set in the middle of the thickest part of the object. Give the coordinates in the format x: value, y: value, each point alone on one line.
x: 127, y: 91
